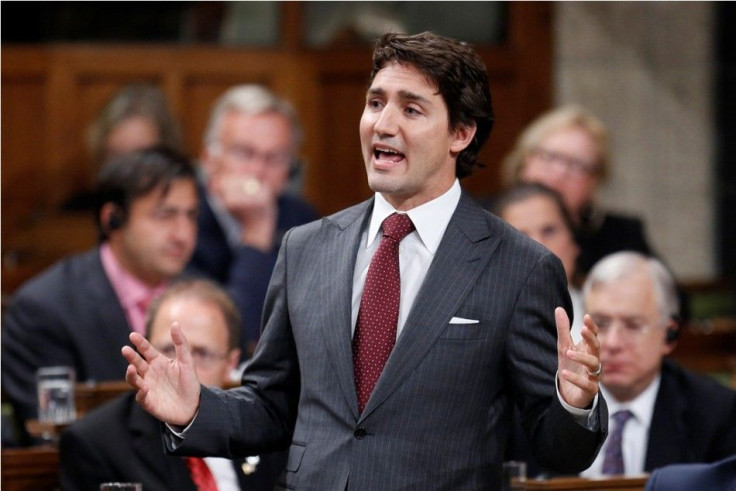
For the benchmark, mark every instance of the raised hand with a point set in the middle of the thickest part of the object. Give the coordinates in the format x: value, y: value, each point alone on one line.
x: 166, y: 388
x: 578, y: 365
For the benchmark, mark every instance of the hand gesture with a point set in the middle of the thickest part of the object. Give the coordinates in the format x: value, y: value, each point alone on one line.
x: 253, y: 203
x: 578, y: 365
x: 166, y: 388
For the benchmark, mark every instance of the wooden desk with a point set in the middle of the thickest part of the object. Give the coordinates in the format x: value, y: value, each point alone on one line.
x: 581, y: 483
x: 30, y: 469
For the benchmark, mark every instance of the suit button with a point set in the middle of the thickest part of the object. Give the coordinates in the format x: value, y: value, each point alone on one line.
x: 360, y: 433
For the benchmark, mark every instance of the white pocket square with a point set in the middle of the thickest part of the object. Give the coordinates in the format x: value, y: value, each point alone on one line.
x: 461, y: 320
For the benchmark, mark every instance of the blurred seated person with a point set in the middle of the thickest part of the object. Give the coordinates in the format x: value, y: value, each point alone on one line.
x: 667, y: 413
x: 79, y: 311
x: 717, y: 476
x: 249, y: 153
x: 136, y: 117
x: 539, y: 212
x: 659, y: 412
x: 119, y: 441
x: 566, y: 149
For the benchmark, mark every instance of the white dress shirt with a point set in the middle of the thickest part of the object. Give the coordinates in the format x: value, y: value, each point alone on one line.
x: 224, y: 473
x: 416, y: 251
x: 578, y: 311
x: 635, y: 438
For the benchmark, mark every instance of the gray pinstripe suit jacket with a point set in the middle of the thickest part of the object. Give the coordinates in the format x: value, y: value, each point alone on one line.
x: 439, y: 415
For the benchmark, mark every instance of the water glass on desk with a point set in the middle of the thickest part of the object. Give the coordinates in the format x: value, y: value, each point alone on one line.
x: 514, y: 475
x: 55, y: 387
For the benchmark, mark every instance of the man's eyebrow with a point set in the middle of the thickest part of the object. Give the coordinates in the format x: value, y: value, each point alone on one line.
x: 403, y: 94
x: 411, y: 96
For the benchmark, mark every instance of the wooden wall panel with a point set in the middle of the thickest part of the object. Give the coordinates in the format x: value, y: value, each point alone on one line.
x: 23, y: 156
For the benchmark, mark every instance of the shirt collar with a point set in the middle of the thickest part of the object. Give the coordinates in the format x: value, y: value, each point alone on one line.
x: 129, y: 289
x: 642, y: 407
x: 430, y: 219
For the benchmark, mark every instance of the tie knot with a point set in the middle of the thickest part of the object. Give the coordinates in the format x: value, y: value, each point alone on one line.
x: 397, y: 226
x: 621, y: 417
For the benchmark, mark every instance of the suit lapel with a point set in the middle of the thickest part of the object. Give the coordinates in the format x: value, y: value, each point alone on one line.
x: 341, y: 242
x: 465, y: 249
x: 667, y: 430
x: 169, y: 471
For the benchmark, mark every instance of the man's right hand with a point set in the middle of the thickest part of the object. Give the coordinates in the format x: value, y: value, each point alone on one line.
x: 168, y: 389
x: 252, y: 203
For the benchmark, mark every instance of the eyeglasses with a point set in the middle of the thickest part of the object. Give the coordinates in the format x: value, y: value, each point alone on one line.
x: 202, y: 356
x: 629, y: 329
x: 576, y: 166
x: 246, y: 154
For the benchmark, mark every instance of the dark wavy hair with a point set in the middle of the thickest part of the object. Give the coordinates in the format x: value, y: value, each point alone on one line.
x: 459, y: 75
x: 126, y: 178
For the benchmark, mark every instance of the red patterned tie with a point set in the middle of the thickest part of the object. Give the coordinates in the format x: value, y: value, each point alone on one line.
x: 201, y: 474
x: 375, y: 332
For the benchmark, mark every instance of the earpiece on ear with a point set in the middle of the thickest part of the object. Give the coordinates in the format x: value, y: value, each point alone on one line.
x: 115, y: 221
x: 673, y: 332
x: 672, y: 335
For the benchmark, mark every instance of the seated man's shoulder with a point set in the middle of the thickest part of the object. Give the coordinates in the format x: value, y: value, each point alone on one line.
x: 60, y: 274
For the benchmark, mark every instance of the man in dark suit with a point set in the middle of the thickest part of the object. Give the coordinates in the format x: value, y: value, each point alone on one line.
x: 121, y: 442
x: 79, y: 311
x: 248, y: 157
x: 676, y: 415
x: 473, y: 318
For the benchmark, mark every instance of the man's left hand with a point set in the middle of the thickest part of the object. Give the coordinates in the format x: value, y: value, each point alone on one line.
x: 578, y: 365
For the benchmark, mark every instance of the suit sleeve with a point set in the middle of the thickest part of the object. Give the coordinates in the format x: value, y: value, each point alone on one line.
x: 260, y: 415
x: 558, y: 442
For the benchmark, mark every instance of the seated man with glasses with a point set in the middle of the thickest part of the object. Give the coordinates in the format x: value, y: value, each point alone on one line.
x: 659, y: 412
x: 248, y: 158
x: 119, y: 441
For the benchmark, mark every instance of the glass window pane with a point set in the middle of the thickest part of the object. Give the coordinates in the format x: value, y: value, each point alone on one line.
x: 344, y: 23
x: 241, y: 23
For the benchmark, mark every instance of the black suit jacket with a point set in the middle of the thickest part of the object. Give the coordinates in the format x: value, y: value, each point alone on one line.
x: 119, y: 441
x: 67, y: 315
x: 694, y: 420
x: 601, y: 236
x: 244, y: 271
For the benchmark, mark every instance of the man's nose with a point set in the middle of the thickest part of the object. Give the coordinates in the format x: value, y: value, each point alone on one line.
x: 386, y: 123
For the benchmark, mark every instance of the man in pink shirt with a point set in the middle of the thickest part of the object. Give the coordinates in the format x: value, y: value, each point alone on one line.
x: 79, y: 311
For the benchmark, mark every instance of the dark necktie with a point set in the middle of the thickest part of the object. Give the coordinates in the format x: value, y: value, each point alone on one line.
x: 375, y: 331
x: 613, y: 462
x: 201, y: 474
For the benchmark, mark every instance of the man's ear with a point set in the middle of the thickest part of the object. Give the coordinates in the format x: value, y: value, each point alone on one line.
x: 672, y: 332
x: 462, y: 136
x: 111, y: 217
x: 233, y: 359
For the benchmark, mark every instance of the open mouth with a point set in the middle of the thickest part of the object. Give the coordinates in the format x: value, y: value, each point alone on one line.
x: 386, y: 154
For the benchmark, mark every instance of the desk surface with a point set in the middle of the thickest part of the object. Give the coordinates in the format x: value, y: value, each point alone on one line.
x: 618, y: 483
x: 29, y: 468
